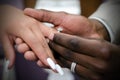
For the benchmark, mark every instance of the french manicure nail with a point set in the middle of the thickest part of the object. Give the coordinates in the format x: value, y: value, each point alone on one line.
x: 47, y: 40
x: 59, y: 29
x: 51, y: 63
x: 51, y: 36
x: 6, y: 65
x: 15, y: 46
x: 59, y: 69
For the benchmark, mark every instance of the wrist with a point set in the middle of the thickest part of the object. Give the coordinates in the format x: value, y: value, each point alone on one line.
x: 100, y: 29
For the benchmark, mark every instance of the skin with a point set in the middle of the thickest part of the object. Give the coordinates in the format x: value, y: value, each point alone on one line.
x: 15, y: 24
x: 88, y: 44
x: 91, y: 29
x: 96, y: 59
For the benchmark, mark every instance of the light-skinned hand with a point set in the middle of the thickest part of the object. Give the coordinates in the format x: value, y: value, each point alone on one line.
x: 15, y: 24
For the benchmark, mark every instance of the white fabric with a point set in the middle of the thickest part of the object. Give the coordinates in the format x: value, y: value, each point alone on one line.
x: 69, y: 6
x: 106, y: 26
x: 109, y: 13
x: 55, y: 76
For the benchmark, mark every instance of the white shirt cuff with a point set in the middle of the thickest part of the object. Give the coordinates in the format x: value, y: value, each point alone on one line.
x: 106, y: 26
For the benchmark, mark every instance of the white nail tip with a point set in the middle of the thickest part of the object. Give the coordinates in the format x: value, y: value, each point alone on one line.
x: 47, y: 40
x: 6, y: 65
x: 59, y: 69
x: 51, y: 63
x: 55, y: 66
x: 59, y: 29
x: 51, y: 36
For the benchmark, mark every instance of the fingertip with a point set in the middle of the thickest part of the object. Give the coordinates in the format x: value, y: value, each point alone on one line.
x: 9, y: 52
x: 29, y: 55
x: 10, y: 65
x: 18, y: 41
x: 27, y: 10
x: 51, y: 36
x: 10, y: 62
x: 22, y: 48
x: 39, y: 63
x: 30, y: 11
x: 51, y: 63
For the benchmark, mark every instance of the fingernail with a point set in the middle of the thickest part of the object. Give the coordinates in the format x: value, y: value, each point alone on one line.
x: 51, y: 63
x: 6, y: 65
x: 59, y: 29
x: 15, y: 46
x: 51, y: 36
x: 59, y: 69
x: 47, y: 40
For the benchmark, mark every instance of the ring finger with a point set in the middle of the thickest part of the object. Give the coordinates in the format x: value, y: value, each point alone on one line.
x: 81, y: 70
x: 89, y: 62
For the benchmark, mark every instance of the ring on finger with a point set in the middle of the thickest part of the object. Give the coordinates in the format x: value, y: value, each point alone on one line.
x: 73, y: 65
x: 59, y: 29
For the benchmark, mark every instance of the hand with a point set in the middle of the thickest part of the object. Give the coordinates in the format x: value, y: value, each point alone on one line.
x: 96, y: 59
x: 15, y: 24
x: 71, y: 24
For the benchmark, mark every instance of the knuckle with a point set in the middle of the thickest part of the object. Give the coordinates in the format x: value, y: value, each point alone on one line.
x: 45, y: 15
x: 57, y: 38
x: 105, y: 51
x: 22, y: 48
x: 32, y: 22
x: 67, y: 53
x: 101, y: 66
x: 33, y: 42
x: 74, y: 43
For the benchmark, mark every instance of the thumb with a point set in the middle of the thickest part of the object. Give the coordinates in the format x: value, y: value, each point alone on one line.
x: 55, y: 18
x: 8, y: 50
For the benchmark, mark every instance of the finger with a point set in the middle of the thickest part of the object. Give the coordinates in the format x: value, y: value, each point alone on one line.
x: 30, y: 55
x: 90, y: 47
x: 9, y: 50
x: 39, y: 63
x: 81, y: 70
x: 37, y: 44
x: 22, y: 48
x: 46, y: 31
x: 56, y: 18
x: 89, y: 62
x: 60, y: 63
x: 46, y: 16
x: 40, y: 36
x: 18, y: 41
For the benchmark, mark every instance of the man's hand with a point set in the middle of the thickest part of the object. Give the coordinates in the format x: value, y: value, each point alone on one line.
x: 71, y: 24
x: 96, y: 59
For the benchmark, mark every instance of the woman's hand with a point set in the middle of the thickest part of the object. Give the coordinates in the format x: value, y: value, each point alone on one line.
x: 96, y: 59
x: 15, y: 24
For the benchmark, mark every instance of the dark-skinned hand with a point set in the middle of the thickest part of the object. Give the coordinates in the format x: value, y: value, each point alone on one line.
x: 96, y: 59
